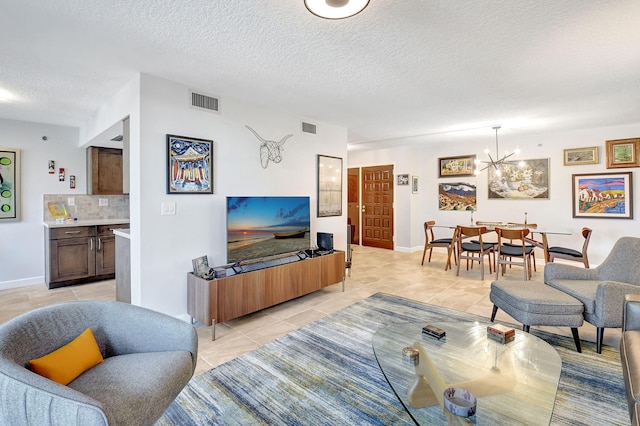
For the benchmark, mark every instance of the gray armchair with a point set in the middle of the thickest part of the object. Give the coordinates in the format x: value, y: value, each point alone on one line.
x: 602, y: 289
x: 148, y: 358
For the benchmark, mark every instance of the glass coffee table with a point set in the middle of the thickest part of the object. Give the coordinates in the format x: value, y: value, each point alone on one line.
x: 514, y: 383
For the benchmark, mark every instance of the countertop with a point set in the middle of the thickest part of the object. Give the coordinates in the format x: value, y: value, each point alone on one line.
x: 89, y: 222
x: 123, y: 232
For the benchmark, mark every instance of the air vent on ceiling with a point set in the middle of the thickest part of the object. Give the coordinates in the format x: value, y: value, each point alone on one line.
x: 205, y: 102
x: 117, y: 138
x: 309, y: 128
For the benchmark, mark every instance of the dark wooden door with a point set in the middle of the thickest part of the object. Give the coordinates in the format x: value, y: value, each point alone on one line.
x: 377, y: 206
x: 353, y: 203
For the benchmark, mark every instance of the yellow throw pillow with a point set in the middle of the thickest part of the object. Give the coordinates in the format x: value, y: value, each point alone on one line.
x: 65, y: 364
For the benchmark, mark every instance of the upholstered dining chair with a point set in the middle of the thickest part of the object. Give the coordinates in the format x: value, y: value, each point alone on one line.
x: 474, y: 251
x: 507, y: 250
x: 557, y: 252
x: 146, y: 359
x: 430, y: 242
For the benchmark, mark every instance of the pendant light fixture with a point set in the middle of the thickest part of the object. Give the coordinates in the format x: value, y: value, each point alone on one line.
x: 498, y: 161
x: 335, y: 9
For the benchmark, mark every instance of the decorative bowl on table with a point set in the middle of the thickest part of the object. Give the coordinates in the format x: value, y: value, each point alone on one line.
x: 460, y: 402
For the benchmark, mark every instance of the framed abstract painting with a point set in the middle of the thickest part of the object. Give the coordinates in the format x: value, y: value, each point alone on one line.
x: 9, y: 184
x: 189, y: 165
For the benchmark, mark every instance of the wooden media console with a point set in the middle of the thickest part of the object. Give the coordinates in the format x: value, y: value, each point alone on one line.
x: 223, y: 299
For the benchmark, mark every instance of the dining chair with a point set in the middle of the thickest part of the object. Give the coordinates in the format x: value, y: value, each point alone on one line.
x: 557, y: 252
x: 475, y: 250
x: 531, y: 242
x: 508, y: 250
x: 430, y: 242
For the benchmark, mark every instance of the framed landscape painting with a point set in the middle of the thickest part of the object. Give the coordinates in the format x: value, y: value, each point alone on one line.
x: 457, y: 196
x: 457, y: 166
x: 578, y: 156
x: 189, y: 165
x: 623, y: 153
x: 603, y: 195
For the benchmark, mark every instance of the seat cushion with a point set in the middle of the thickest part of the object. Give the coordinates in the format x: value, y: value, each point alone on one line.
x: 475, y: 247
x: 136, y: 388
x: 514, y: 251
x: 535, y: 303
x: 564, y: 250
x: 583, y: 290
x: 442, y: 241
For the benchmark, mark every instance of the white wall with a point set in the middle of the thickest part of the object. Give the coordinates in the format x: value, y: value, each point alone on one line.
x: 163, y: 246
x: 411, y: 210
x: 22, y: 243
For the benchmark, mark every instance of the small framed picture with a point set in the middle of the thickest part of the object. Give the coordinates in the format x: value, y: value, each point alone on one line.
x: 623, y: 153
x: 414, y: 184
x: 457, y: 166
x: 402, y: 180
x: 578, y: 156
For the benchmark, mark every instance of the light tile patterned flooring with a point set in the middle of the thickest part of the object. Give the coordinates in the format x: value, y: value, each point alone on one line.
x: 374, y: 270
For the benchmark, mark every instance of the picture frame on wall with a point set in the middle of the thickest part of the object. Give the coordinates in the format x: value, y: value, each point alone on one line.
x: 10, y: 185
x: 460, y: 166
x: 519, y: 180
x: 414, y: 184
x: 579, y: 156
x: 602, y: 195
x: 329, y: 178
x: 189, y: 165
x: 402, y: 180
x: 460, y: 196
x: 623, y: 153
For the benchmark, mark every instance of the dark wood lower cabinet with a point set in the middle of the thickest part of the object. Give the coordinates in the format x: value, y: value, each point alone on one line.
x: 79, y: 254
x: 223, y: 299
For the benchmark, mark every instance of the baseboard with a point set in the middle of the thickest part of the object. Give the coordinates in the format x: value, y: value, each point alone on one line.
x: 408, y: 249
x: 24, y: 282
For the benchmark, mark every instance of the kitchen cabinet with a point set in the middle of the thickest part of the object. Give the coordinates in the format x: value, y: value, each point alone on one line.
x: 79, y: 254
x: 104, y: 171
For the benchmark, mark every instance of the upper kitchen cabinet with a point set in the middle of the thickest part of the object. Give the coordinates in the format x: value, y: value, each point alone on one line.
x: 104, y: 171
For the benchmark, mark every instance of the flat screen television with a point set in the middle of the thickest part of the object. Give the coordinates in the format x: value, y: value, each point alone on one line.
x: 259, y: 227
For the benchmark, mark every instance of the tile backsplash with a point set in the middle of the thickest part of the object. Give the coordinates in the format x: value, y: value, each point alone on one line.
x: 87, y: 206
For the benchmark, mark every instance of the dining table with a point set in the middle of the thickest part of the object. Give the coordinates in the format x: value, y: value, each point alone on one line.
x: 491, y: 226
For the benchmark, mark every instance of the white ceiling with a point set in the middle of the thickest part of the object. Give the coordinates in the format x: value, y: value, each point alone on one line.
x: 396, y: 70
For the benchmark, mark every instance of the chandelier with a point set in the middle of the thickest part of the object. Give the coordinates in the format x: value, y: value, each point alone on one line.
x: 335, y: 9
x: 498, y: 161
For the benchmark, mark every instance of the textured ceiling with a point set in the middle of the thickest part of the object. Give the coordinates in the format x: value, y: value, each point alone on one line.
x: 398, y: 69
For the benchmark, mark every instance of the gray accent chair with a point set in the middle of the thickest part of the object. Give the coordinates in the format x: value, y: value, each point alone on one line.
x: 630, y: 355
x: 148, y: 359
x: 602, y: 289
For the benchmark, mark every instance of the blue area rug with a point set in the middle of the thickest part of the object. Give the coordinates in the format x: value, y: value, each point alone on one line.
x: 326, y: 374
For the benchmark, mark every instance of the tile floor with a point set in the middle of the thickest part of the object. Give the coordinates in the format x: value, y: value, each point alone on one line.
x: 374, y: 270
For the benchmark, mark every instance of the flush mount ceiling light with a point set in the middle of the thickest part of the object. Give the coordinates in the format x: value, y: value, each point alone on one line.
x: 498, y: 161
x: 335, y: 9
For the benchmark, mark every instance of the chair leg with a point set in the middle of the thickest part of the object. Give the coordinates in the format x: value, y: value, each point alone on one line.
x: 599, y: 337
x: 576, y: 338
x: 424, y: 252
x: 525, y: 328
x: 494, y: 312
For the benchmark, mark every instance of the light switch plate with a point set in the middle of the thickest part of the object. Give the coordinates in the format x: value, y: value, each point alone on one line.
x: 71, y: 201
x: 168, y: 208
x: 103, y: 202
